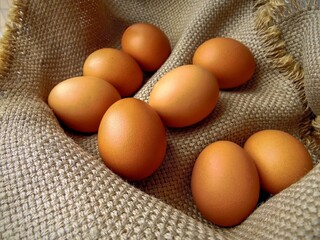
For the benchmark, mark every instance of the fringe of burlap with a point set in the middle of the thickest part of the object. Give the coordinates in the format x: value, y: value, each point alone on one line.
x: 12, y: 27
x: 269, y: 13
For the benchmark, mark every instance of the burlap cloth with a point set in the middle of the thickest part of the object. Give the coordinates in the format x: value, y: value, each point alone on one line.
x: 53, y: 183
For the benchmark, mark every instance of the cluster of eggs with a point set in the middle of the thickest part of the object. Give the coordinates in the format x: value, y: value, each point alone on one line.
x: 226, y: 178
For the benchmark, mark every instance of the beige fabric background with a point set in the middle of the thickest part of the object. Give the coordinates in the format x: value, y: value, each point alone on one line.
x: 53, y: 184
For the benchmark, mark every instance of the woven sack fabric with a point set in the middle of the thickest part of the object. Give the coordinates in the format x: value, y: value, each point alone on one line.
x: 53, y: 183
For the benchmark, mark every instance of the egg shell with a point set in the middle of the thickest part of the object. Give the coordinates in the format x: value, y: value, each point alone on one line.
x: 229, y: 60
x: 185, y: 95
x: 146, y: 43
x: 281, y: 159
x: 81, y: 102
x: 116, y: 67
x: 132, y: 139
x: 225, y: 183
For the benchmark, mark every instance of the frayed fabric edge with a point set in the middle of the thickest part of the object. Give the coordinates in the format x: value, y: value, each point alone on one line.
x: 268, y: 14
x: 12, y: 30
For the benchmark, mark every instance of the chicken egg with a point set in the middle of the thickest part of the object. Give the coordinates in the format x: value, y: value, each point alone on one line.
x: 185, y: 95
x: 225, y: 183
x: 132, y: 139
x: 81, y: 102
x: 146, y: 43
x: 281, y: 159
x: 116, y: 67
x: 229, y: 60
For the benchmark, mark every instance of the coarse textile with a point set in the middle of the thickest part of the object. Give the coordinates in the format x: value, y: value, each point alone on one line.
x: 53, y: 183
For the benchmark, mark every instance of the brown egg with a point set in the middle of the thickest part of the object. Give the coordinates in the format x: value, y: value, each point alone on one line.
x: 185, y: 95
x: 81, y: 102
x: 229, y: 60
x: 146, y: 43
x: 116, y: 67
x: 132, y: 139
x: 280, y: 158
x: 225, y: 184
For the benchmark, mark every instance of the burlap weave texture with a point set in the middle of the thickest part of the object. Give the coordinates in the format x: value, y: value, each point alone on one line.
x: 53, y: 183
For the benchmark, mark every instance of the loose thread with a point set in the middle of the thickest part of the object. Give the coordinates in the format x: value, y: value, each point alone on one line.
x: 268, y: 14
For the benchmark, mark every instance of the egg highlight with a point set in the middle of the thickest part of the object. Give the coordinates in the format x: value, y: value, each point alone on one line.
x: 185, y: 95
x: 147, y: 44
x: 116, y: 67
x: 132, y: 139
x: 228, y: 59
x: 225, y: 183
x: 281, y: 159
x: 80, y: 102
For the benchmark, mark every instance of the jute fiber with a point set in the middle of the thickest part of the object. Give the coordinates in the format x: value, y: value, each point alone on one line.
x: 53, y: 183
